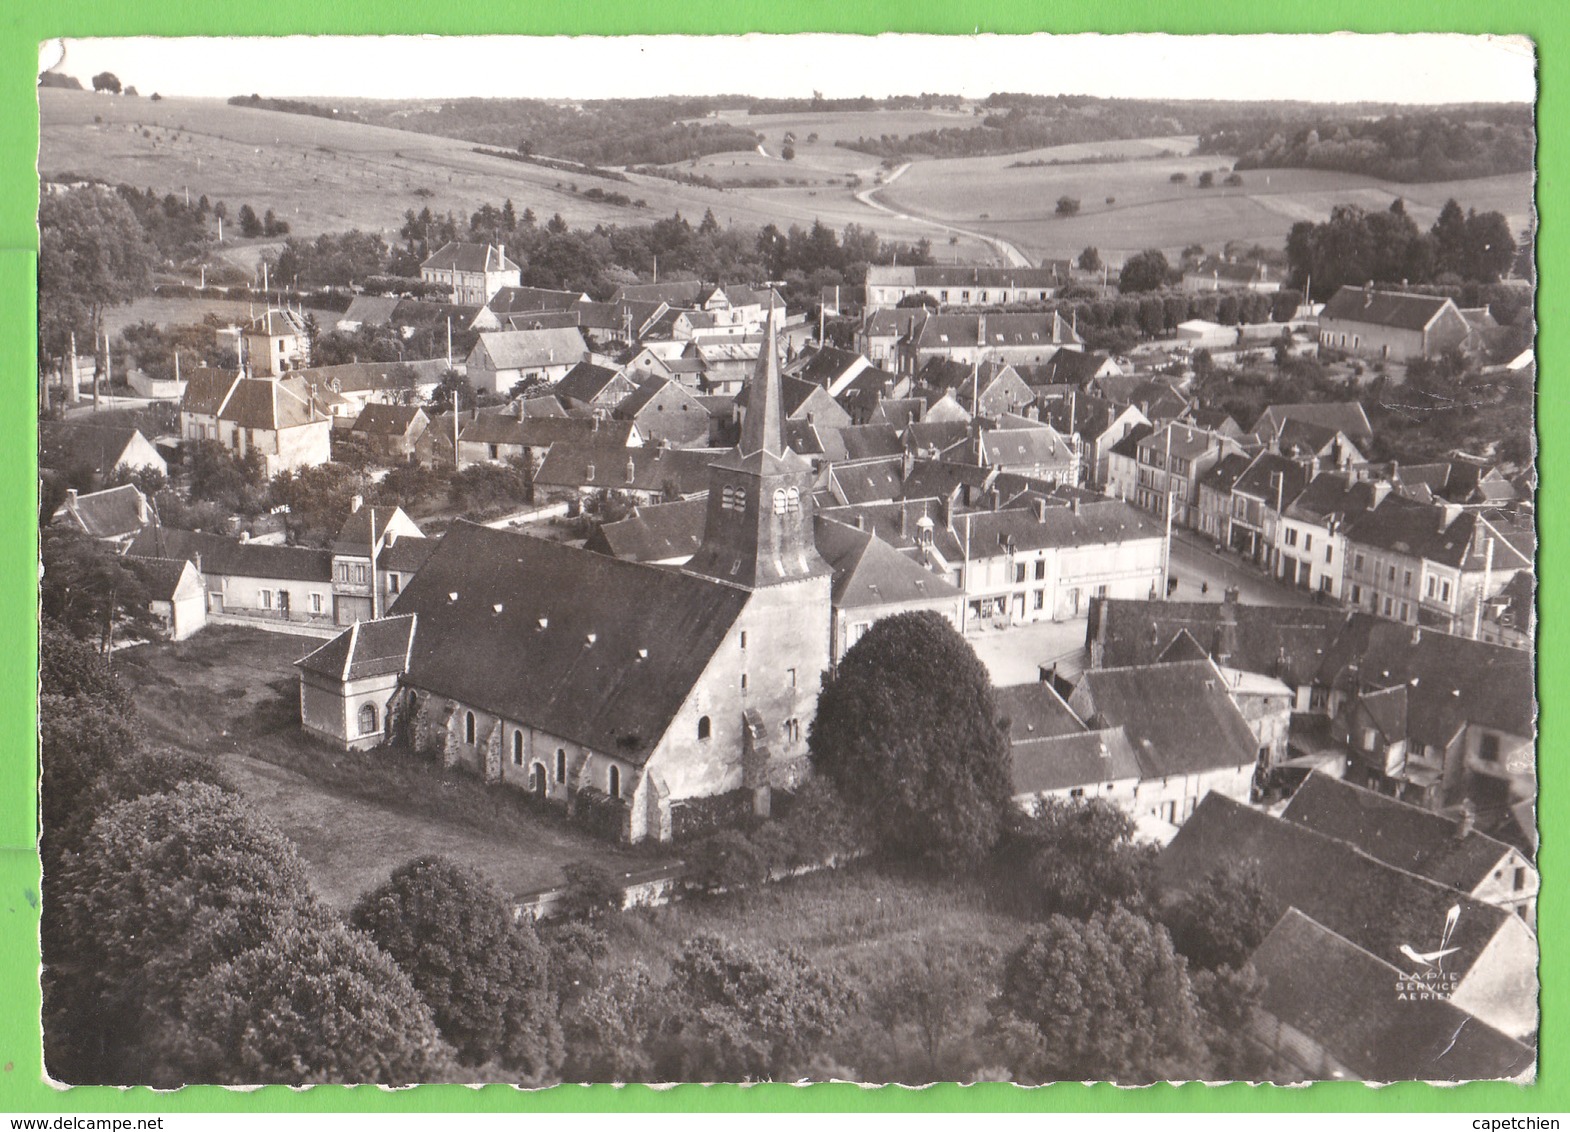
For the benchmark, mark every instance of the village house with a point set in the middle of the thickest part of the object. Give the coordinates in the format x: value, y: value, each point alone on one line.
x: 346, y: 389
x: 503, y: 358
x: 1327, y: 1011
x: 1510, y: 616
x: 274, y: 343
x: 174, y: 594
x: 1031, y: 339
x: 1215, y: 496
x: 725, y: 365
x: 1033, y: 450
x: 1122, y: 464
x: 643, y: 474
x: 987, y: 389
x: 880, y: 332
x: 368, y: 571
x: 664, y: 413
x: 1386, y: 911
x: 392, y: 432
x: 660, y: 534
x: 346, y: 684
x: 803, y: 401
x: 1171, y: 462
x: 964, y: 286
x: 88, y: 455
x: 1430, y: 564
x: 282, y: 420
x: 1346, y: 417
x: 1449, y: 851
x: 872, y: 581
x: 1214, y: 273
x: 1259, y: 496
x: 1390, y: 325
x: 471, y: 273
x: 1072, y: 367
x: 114, y: 515
x: 506, y: 301
x: 653, y: 702
x: 828, y: 366
x: 1311, y: 532
x: 875, y: 396
x: 497, y: 438
x: 591, y: 388
x: 1098, y: 423
x: 367, y: 310
x: 247, y: 578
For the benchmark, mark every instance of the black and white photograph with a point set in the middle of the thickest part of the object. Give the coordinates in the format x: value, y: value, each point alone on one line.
x: 797, y: 558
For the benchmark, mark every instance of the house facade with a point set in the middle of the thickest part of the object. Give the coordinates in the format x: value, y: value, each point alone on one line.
x: 471, y: 273
x: 1390, y: 325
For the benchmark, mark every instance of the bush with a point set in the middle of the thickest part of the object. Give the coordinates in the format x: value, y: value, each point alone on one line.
x: 727, y: 860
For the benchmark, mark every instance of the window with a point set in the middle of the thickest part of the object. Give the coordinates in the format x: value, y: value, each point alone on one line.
x: 1041, y: 599
x: 367, y: 719
x: 743, y: 681
x: 1308, y: 542
x: 790, y: 677
x: 468, y: 727
x: 1019, y: 573
x: 1387, y: 607
x: 392, y: 583
x: 1404, y: 608
x: 1330, y: 553
x: 1488, y: 748
x: 792, y: 729
x: 1407, y: 583
x: 744, y: 638
x: 316, y: 603
x: 517, y: 748
x: 779, y: 501
x: 561, y: 764
x: 613, y: 786
x: 1291, y: 536
x: 1370, y: 738
x: 1432, y: 585
x: 267, y: 599
x: 1520, y: 879
x: 1390, y: 575
x: 1444, y: 591
x: 1041, y: 569
x: 1357, y: 595
x: 792, y: 498
x: 1357, y: 562
x: 705, y: 728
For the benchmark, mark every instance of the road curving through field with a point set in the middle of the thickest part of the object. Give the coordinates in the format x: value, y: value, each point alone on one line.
x: 1010, y: 254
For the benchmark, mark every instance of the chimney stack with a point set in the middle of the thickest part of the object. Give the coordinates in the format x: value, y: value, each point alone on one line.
x: 356, y: 503
x: 1041, y: 510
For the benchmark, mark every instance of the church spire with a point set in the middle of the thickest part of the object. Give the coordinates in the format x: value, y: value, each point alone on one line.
x: 764, y: 427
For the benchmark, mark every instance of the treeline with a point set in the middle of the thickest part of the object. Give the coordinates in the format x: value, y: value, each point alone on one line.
x: 293, y: 106
x: 817, y: 104
x: 528, y: 157
x: 1357, y: 246
x: 1437, y: 146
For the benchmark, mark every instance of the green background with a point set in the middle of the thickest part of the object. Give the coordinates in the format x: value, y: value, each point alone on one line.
x: 22, y: 1089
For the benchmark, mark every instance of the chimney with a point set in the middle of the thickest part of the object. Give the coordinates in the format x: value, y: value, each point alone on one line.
x: 70, y: 497
x: 1074, y: 504
x: 861, y: 521
x: 141, y: 508
x: 904, y: 521
x: 1395, y: 471
x: 1417, y: 636
x: 632, y: 471
x: 588, y: 474
x: 245, y: 537
x: 1368, y: 293
x: 356, y: 503
x: 196, y: 560
x: 520, y: 407
x: 1041, y: 510
x: 1232, y: 595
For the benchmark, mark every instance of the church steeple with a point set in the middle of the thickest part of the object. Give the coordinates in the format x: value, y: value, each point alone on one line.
x: 758, y: 529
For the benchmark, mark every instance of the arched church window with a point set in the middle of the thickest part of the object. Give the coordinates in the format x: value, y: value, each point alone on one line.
x: 468, y: 727
x: 792, y: 500
x: 779, y: 501
x: 728, y: 499
x: 705, y: 729
x: 367, y: 719
x: 615, y: 782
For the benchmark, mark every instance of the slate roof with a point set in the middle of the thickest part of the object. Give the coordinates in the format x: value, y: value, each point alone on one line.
x: 1340, y: 995
x: 868, y: 572
x: 63, y: 444
x: 231, y: 557
x: 1064, y: 762
x: 1224, y: 475
x: 598, y: 650
x: 901, y: 412
x: 1040, y: 445
x: 1344, y: 416
x: 370, y: 310
x: 939, y: 435
x: 522, y: 349
x: 274, y: 322
x: 371, y: 377
x: 1405, y: 836
x: 1332, y: 493
x: 586, y: 381
x: 1291, y: 643
x: 1025, y: 529
x: 263, y: 403
x: 1129, y: 445
x: 1035, y: 711
x: 1425, y: 531
x: 389, y: 420
x: 469, y: 257
x: 160, y: 576
x: 896, y: 523
x: 364, y: 525
x: 405, y: 555
x: 1265, y: 472
x: 365, y: 649
x: 206, y: 389
x: 1394, y: 309
x: 510, y: 300
x: 1179, y: 717
x: 568, y: 465
x: 870, y: 481
x: 1373, y: 905
x: 654, y: 533
x: 112, y: 513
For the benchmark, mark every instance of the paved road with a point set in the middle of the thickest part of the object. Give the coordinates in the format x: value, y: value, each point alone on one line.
x: 1196, y: 563
x: 868, y: 196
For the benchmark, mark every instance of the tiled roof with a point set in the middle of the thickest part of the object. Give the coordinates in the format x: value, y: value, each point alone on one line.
x: 597, y: 650
x: 868, y: 572
x: 654, y: 533
x: 1035, y: 711
x: 1343, y: 416
x: 389, y: 420
x: 112, y: 513
x: 469, y: 257
x: 1026, y: 529
x: 365, y: 649
x: 374, y: 377
x: 1405, y: 836
x: 1427, y: 531
x: 1271, y: 477
x: 64, y: 444
x: 522, y: 349
x: 870, y: 481
x: 1179, y: 717
x: 586, y: 381
x: 1343, y: 998
x: 231, y: 557
x: 510, y: 300
x: 160, y: 576
x: 652, y: 469
x: 1080, y: 759
x: 1384, y: 308
x: 370, y: 310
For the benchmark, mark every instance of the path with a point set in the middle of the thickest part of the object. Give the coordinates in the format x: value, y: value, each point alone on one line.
x: 1011, y: 254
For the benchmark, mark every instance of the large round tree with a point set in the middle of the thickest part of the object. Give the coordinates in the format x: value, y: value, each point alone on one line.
x: 483, y: 974
x: 908, y: 732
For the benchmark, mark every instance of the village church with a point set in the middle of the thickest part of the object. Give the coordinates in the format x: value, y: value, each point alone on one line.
x: 667, y: 700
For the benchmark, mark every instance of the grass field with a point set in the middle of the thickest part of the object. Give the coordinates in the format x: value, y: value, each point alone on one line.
x: 327, y: 176
x: 181, y: 311
x: 233, y: 694
x: 1148, y: 210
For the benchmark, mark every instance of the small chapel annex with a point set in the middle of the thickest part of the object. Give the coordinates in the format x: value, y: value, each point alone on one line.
x: 668, y: 700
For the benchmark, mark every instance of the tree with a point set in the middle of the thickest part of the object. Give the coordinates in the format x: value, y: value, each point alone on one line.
x: 746, y: 1012
x: 788, y: 152
x: 131, y: 92
x: 105, y: 80
x: 1067, y: 206
x: 343, y: 1014
x: 93, y: 254
x: 165, y: 888
x: 930, y: 991
x: 1449, y: 233
x: 1078, y: 858
x: 1207, y: 179
x: 89, y: 590
x: 1145, y: 271
x: 250, y: 224
x: 483, y: 974
x: 1233, y: 180
x: 907, y: 730
x: 1490, y: 246
x: 607, y: 1029
x: 1228, y: 1000
x: 1178, y: 178
x: 1090, y: 260
x: 1109, y: 1000
x: 1220, y: 922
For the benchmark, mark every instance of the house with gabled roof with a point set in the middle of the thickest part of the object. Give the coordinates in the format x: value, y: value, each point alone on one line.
x: 983, y: 389
x: 663, y: 534
x: 1311, y: 532
x: 248, y: 578
x: 878, y: 335
x: 803, y: 401
x: 645, y: 474
x: 365, y: 581
x: 174, y: 594
x: 511, y: 300
x: 872, y: 581
x: 966, y: 285
x: 89, y: 454
x: 1259, y: 495
x: 114, y: 515
x: 1031, y: 339
x: 664, y: 412
x: 1392, y: 325
x: 283, y: 420
x: 503, y: 358
x: 1345, y: 417
x: 1490, y: 961
x: 391, y: 431
x: 1447, y: 850
x: 652, y: 702
x: 592, y: 388
x: 345, y: 685
x: 472, y: 273
x: 1171, y: 462
x: 1332, y: 1010
x: 274, y: 342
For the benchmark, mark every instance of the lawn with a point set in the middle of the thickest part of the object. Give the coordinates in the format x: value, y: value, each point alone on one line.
x: 232, y: 693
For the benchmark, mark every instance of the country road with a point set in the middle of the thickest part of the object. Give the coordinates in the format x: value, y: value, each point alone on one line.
x: 1011, y: 255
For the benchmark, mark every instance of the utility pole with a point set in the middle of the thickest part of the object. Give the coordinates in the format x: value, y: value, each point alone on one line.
x: 1166, y: 542
x: 1482, y: 596
x: 455, y: 463
x: 74, y: 390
